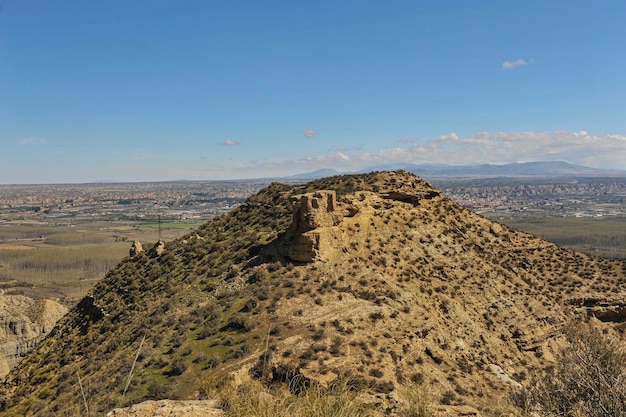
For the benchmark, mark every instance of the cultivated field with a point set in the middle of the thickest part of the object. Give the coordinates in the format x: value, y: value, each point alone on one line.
x: 58, y: 240
x: 65, y: 261
x: 604, y: 237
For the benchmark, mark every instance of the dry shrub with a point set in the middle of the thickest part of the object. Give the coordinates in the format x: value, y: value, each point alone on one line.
x: 589, y: 378
x: 417, y: 400
x: 253, y: 399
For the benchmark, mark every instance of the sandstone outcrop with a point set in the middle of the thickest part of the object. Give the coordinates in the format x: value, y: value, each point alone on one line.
x: 135, y: 249
x: 23, y: 323
x: 309, y: 237
x: 163, y: 408
x: 192, y: 238
x: 496, y: 229
x: 313, y: 210
x: 158, y: 248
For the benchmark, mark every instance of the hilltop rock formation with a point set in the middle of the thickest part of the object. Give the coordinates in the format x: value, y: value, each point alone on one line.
x: 313, y: 210
x: 135, y: 249
x: 157, y: 249
x: 314, y: 231
x: 309, y: 238
x: 379, y: 278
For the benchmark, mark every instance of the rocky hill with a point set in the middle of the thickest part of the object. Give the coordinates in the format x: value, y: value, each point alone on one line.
x: 376, y: 278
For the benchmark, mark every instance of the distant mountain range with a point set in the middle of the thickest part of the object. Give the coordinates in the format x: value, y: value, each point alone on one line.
x: 320, y: 173
x: 526, y: 169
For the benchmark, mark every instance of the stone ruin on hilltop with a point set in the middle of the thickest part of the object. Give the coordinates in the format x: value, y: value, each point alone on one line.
x: 310, y: 234
x: 317, y: 217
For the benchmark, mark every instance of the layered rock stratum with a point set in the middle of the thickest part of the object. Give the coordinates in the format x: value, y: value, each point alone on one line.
x: 24, y: 322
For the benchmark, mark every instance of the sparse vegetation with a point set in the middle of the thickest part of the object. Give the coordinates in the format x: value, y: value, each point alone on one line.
x: 588, y: 378
x: 440, y: 312
x: 254, y: 400
x: 418, y: 401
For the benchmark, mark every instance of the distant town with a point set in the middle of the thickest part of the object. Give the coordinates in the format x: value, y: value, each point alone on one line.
x: 508, y: 198
x: 128, y: 202
x: 499, y: 198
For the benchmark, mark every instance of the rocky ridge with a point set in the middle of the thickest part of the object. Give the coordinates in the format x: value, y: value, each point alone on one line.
x: 379, y: 278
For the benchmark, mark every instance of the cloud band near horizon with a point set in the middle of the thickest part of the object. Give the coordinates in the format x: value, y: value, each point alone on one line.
x: 581, y: 148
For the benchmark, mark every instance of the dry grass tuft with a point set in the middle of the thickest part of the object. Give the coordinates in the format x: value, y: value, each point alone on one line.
x: 255, y: 400
x: 418, y: 400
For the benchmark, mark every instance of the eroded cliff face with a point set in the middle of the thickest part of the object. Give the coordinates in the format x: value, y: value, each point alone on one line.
x: 23, y: 323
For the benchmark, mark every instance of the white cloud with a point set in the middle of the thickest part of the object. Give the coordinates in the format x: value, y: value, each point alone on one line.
x: 509, y: 65
x: 579, y: 147
x: 601, y: 151
x: 583, y: 148
x: 451, y: 138
x: 31, y: 141
x: 228, y: 142
x: 310, y: 133
x: 346, y: 148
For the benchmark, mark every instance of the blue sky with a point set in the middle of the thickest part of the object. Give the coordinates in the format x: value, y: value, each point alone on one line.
x: 149, y: 90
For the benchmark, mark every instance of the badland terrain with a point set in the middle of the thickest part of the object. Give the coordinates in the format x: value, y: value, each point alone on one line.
x: 378, y: 281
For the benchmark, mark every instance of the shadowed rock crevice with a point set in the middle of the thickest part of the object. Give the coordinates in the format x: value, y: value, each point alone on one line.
x: 411, y: 198
x: 607, y: 309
